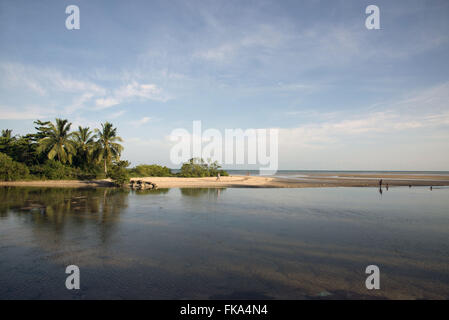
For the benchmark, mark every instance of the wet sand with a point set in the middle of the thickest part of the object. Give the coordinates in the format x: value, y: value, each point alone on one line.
x: 315, y: 180
x: 310, y: 181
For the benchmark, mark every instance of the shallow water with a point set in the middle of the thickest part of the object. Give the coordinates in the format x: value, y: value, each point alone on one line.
x: 224, y: 244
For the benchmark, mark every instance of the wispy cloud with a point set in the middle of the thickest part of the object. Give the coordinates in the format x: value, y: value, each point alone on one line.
x: 146, y: 91
x: 12, y: 113
x: 103, y: 103
x: 77, y: 93
x: 130, y: 92
x: 425, y: 109
x: 45, y: 80
x: 261, y: 37
x: 141, y: 121
x: 117, y: 114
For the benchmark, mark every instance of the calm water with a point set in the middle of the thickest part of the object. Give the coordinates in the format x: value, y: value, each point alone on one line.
x: 220, y: 244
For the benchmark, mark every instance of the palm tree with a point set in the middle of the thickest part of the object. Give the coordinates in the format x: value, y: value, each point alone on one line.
x: 107, y: 147
x: 84, y: 144
x: 7, y: 134
x: 58, y: 141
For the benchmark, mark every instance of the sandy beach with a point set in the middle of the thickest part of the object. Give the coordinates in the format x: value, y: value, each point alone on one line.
x: 310, y: 181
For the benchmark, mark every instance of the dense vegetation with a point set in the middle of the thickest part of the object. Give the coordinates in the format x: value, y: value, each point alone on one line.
x: 12, y: 170
x: 197, y: 167
x: 54, y: 152
x: 152, y: 170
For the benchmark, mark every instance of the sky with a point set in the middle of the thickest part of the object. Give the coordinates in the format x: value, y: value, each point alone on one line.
x: 343, y: 97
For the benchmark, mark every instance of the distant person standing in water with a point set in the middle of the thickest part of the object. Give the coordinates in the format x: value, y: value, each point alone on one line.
x: 380, y: 183
x: 387, y: 186
x: 431, y: 188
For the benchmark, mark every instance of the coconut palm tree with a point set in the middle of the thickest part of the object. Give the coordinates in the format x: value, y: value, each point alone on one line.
x: 107, y: 147
x: 84, y: 144
x: 57, y: 142
x: 7, y: 134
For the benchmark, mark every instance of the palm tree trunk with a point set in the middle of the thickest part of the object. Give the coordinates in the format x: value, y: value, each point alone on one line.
x: 105, y: 168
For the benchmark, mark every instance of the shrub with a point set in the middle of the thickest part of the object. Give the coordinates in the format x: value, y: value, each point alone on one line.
x: 91, y: 173
x: 223, y: 173
x: 197, y: 167
x: 118, y: 173
x: 152, y: 170
x: 11, y: 170
x: 54, y: 170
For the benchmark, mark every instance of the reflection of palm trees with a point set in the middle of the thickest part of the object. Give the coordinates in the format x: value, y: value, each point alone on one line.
x: 65, y: 214
x: 55, y: 205
x: 112, y: 204
x: 113, y: 201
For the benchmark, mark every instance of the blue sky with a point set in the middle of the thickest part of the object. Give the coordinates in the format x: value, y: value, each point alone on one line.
x: 343, y: 96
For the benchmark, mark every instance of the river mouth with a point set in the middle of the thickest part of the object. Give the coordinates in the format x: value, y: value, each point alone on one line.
x: 224, y: 243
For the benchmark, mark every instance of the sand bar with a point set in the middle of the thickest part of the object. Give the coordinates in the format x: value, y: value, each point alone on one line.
x: 310, y: 181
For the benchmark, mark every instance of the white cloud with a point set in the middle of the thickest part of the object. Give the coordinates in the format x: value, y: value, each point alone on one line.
x: 379, y: 141
x: 141, y: 121
x: 408, y: 134
x: 317, y: 135
x: 45, y: 80
x: 103, y: 103
x: 12, y: 113
x: 146, y: 91
x: 70, y: 93
x: 434, y: 99
x: 131, y: 91
x: 117, y: 114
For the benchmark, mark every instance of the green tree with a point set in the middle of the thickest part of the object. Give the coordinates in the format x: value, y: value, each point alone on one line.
x: 19, y: 148
x: 57, y: 141
x: 118, y: 173
x: 6, y: 142
x: 197, y: 167
x: 84, y: 145
x: 42, y: 128
x: 108, y: 148
x: 7, y: 133
x: 153, y: 170
x: 11, y: 170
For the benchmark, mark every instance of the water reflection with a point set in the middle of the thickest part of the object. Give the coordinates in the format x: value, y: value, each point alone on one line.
x: 223, y: 243
x: 197, y: 192
x: 54, y: 203
x: 56, y: 214
x: 150, y: 191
